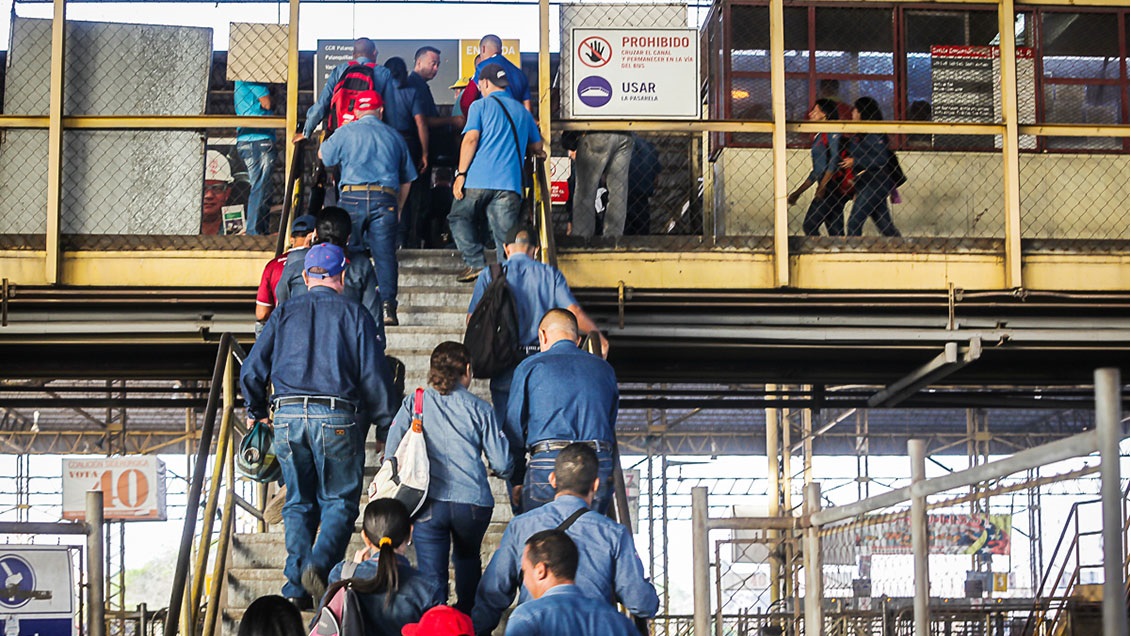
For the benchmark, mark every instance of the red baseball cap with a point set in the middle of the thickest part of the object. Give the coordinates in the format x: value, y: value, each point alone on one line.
x: 368, y: 100
x: 441, y: 620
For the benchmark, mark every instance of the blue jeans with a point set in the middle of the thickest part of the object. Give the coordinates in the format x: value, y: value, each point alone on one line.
x: 502, y: 209
x: 321, y: 454
x: 259, y: 158
x: 872, y: 203
x: 441, y: 525
x: 537, y: 491
x: 374, y: 217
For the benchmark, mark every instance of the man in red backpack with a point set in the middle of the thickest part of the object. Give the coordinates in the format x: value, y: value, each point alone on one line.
x: 348, y: 79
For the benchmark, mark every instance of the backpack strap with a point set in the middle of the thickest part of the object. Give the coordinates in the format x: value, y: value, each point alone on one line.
x: 498, y: 272
x: 564, y: 525
x: 514, y: 130
x: 418, y: 411
x: 348, y: 569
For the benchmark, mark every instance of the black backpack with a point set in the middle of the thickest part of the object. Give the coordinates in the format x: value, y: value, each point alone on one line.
x: 492, y: 331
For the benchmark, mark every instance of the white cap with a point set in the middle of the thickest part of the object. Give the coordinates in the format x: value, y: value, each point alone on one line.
x: 216, y: 167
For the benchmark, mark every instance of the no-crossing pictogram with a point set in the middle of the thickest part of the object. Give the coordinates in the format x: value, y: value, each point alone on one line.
x: 594, y: 52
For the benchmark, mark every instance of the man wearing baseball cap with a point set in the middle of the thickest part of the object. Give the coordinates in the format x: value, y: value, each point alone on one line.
x: 265, y: 299
x: 320, y: 352
x: 488, y: 182
x: 377, y: 173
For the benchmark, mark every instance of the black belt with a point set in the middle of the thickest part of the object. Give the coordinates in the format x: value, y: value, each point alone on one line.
x: 369, y: 187
x: 333, y: 402
x: 549, y: 446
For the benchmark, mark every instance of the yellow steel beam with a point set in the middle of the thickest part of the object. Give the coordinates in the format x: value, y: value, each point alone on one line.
x: 292, y: 90
x: 707, y: 269
x: 777, y: 102
x: 544, y: 71
x: 53, y: 257
x: 134, y: 122
x: 896, y: 127
x: 1011, y: 169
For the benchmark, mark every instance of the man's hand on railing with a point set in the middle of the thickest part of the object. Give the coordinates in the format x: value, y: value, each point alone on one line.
x: 540, y: 153
x: 298, y: 137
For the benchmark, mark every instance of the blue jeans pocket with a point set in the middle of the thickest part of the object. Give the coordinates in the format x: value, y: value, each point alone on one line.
x: 282, y: 443
x: 338, y: 441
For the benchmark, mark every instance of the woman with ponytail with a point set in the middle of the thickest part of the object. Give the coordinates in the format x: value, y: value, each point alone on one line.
x: 392, y: 592
x: 459, y: 429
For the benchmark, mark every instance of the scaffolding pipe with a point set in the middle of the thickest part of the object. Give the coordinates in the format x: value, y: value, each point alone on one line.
x: 1108, y: 412
x: 700, y: 558
x: 95, y: 565
x: 1060, y: 450
x: 814, y: 583
x: 917, y: 451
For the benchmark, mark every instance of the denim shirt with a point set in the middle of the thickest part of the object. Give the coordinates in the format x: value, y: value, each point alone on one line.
x: 564, y: 611
x: 536, y: 289
x: 826, y: 155
x: 424, y: 94
x: 359, y: 283
x: 870, y: 155
x: 562, y: 393
x: 370, y: 152
x: 413, y: 597
x: 607, y: 563
x: 518, y: 86
x: 382, y: 80
x: 458, y: 429
x: 318, y: 344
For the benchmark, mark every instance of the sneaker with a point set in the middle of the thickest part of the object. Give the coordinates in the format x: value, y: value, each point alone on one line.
x: 314, y: 582
x: 389, y: 313
x: 273, y: 511
x: 469, y: 274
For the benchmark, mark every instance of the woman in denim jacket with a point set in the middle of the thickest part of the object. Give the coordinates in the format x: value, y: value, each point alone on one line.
x: 827, y: 207
x: 870, y: 158
x: 392, y: 593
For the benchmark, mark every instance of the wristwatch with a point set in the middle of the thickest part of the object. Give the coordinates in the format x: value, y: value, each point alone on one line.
x: 459, y: 174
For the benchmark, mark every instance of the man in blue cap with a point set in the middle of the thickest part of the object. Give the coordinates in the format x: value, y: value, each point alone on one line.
x: 265, y: 298
x: 320, y: 352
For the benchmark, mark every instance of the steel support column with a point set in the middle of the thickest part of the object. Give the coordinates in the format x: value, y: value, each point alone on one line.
x: 95, y: 565
x: 700, y: 561
x: 814, y: 582
x: 1010, y: 146
x: 781, y: 188
x: 292, y: 91
x: 54, y: 262
x: 1108, y: 413
x: 917, y: 450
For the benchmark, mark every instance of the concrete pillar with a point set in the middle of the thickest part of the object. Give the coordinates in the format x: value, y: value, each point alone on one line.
x: 917, y: 450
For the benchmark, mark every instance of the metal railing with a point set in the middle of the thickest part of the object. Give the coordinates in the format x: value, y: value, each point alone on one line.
x: 1104, y: 439
x: 185, y: 599
x: 543, y: 216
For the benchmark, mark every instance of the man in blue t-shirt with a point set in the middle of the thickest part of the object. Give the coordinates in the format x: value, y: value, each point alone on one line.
x: 256, y: 147
x: 491, y: 52
x: 498, y: 135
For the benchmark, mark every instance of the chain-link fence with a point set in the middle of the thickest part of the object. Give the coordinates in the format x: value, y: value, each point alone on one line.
x: 127, y: 179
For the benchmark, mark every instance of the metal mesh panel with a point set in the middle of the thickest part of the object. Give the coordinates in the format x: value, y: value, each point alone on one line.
x: 1094, y: 187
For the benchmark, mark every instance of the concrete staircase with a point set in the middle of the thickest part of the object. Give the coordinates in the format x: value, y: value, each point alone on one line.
x: 433, y: 309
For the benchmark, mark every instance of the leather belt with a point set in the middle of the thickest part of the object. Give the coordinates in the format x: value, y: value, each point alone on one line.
x: 549, y: 446
x: 369, y: 187
x: 333, y: 402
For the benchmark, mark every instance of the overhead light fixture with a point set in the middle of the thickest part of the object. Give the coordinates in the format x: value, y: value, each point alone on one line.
x: 738, y: 93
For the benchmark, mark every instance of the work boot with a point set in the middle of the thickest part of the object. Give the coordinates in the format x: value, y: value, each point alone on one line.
x: 469, y: 274
x: 314, y: 582
x: 389, y: 314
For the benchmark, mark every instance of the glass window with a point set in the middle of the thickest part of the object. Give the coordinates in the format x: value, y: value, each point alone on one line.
x: 750, y: 38
x: 854, y: 41
x: 750, y: 99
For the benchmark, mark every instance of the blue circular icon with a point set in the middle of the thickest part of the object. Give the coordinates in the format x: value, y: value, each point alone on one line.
x: 17, y: 580
x: 594, y: 91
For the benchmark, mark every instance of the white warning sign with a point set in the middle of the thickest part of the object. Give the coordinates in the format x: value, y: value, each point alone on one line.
x: 635, y: 74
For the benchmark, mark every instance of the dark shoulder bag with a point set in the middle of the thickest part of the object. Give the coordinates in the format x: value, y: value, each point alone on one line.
x: 527, y: 211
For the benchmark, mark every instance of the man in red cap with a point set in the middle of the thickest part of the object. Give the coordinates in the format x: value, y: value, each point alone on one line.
x: 441, y: 620
x: 377, y: 172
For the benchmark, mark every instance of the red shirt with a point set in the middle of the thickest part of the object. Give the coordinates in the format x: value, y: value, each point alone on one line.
x: 469, y: 95
x: 271, y: 275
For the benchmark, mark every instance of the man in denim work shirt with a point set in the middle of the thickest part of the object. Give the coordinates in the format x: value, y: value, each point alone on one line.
x: 491, y: 52
x: 558, y: 608
x: 608, y: 569
x: 320, y: 352
x: 377, y: 173
x: 364, y: 52
x: 498, y: 135
x: 559, y: 396
x: 536, y: 288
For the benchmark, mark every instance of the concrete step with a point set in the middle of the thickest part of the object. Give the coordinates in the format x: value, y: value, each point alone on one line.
x: 434, y: 296
x: 429, y: 258
x: 430, y: 275
x: 424, y: 338
x: 454, y: 318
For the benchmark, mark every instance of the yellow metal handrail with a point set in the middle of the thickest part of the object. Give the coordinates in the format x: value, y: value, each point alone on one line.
x: 543, y: 214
